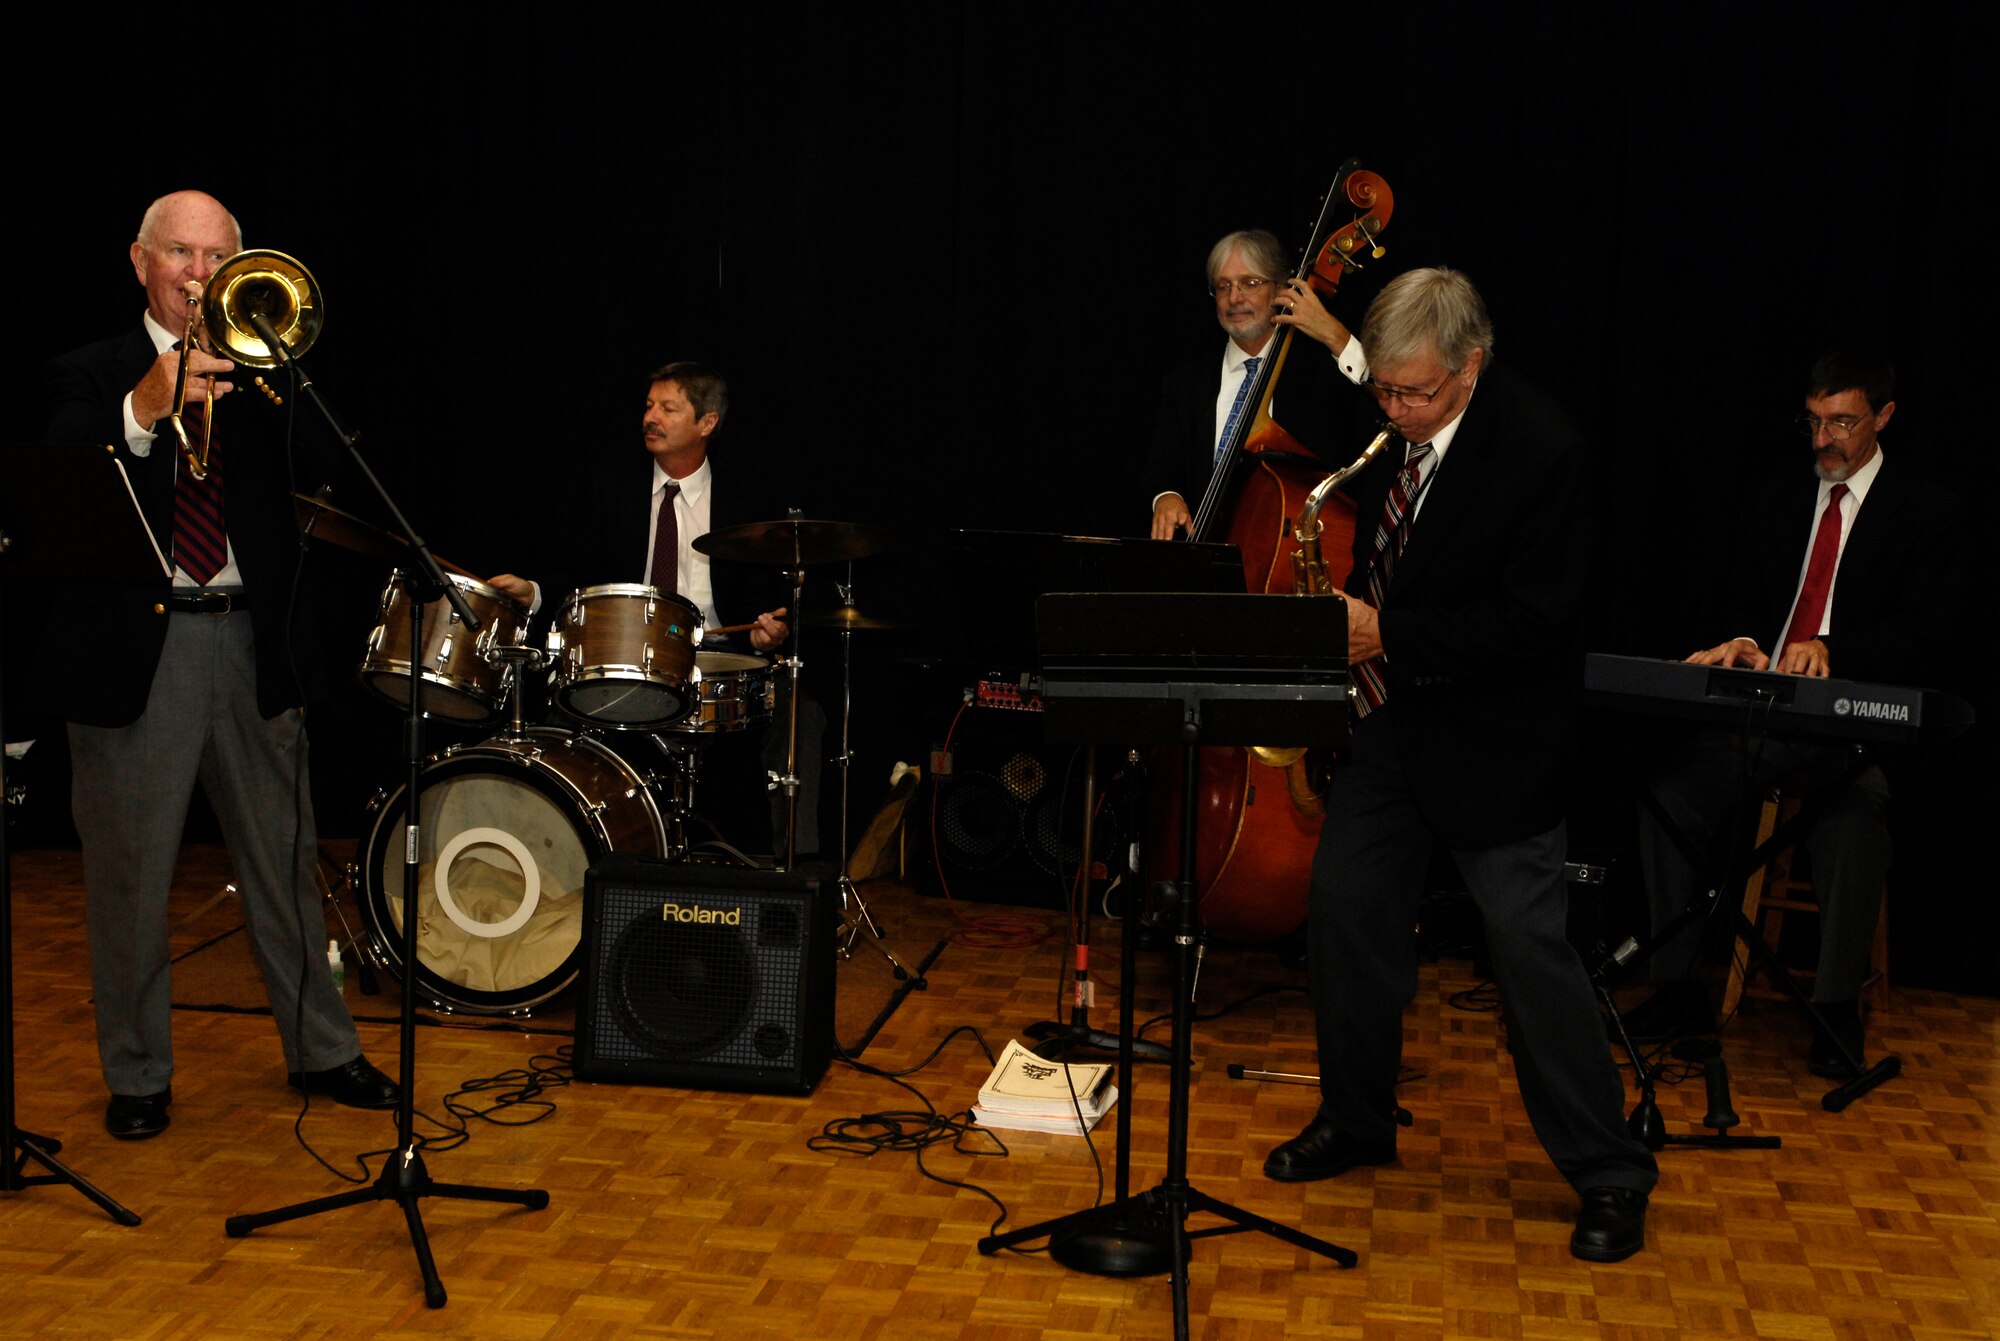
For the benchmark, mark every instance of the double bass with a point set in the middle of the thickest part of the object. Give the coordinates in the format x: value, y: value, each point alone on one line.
x: 1258, y: 814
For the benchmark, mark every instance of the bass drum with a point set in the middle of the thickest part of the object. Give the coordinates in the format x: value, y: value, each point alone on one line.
x: 509, y: 827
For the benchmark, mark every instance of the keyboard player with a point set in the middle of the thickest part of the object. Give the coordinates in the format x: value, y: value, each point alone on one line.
x: 1859, y: 573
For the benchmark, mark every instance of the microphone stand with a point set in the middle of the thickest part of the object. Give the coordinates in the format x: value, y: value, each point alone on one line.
x: 404, y: 1178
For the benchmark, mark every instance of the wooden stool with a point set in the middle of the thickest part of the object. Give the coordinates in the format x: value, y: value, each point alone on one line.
x: 1773, y: 890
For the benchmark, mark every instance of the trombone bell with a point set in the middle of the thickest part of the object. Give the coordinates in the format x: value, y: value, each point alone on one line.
x: 269, y: 284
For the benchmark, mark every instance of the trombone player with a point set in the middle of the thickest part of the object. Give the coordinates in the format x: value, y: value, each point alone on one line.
x: 184, y: 677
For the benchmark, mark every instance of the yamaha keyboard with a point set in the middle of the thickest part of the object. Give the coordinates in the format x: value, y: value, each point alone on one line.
x: 1767, y: 701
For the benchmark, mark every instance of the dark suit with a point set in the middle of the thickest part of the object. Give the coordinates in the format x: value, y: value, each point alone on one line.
x: 1471, y: 751
x: 1897, y: 600
x: 157, y: 700
x: 1181, y: 457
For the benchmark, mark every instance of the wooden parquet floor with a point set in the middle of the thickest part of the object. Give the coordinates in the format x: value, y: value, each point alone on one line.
x: 677, y: 1213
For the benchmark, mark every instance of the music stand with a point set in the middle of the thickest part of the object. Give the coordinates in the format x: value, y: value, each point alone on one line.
x: 49, y: 547
x: 1180, y: 669
x: 1016, y: 568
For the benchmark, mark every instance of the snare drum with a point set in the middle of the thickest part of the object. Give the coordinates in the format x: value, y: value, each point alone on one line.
x: 736, y: 692
x: 460, y: 683
x: 509, y: 828
x: 624, y: 656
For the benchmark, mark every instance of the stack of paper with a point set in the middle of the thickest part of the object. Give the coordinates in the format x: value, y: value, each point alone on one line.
x: 1028, y: 1093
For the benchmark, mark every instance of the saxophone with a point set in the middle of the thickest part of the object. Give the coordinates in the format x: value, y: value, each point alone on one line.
x: 1309, y: 579
x: 1308, y: 566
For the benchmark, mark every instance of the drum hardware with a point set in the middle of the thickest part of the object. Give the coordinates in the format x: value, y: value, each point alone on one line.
x: 854, y: 914
x: 463, y: 679
x: 624, y: 656
x: 792, y: 544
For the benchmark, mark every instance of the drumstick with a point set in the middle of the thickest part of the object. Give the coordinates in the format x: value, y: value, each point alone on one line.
x: 728, y: 628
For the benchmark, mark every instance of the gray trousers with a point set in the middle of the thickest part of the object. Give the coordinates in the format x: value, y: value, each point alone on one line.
x: 1367, y: 884
x: 132, y: 788
x: 1849, y: 847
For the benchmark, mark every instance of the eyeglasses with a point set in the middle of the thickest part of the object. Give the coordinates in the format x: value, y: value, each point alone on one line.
x: 1247, y: 287
x: 1415, y: 400
x: 1840, y: 428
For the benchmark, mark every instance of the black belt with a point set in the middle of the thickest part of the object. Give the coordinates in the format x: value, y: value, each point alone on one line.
x: 207, y: 602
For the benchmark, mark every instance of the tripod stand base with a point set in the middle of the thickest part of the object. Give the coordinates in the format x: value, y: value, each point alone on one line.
x: 25, y: 1146
x: 1129, y: 1238
x: 404, y: 1179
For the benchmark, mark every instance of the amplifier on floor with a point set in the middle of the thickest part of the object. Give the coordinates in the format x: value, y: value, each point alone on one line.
x: 705, y: 977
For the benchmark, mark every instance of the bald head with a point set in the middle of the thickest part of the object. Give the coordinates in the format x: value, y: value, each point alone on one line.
x: 181, y: 239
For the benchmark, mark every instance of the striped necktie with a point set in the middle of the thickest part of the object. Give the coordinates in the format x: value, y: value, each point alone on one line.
x: 201, y: 546
x: 1392, y: 532
x: 1236, y: 406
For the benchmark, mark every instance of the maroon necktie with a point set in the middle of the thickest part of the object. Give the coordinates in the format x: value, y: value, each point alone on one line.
x: 1392, y: 532
x: 1813, y: 591
x: 667, y: 543
x: 200, y: 544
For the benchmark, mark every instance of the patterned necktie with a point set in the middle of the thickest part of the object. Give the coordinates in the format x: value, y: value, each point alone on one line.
x: 1811, y: 609
x: 667, y: 543
x: 201, y: 546
x: 1392, y: 532
x: 1236, y: 406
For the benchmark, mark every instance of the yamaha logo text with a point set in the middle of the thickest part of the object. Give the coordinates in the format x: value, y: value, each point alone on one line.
x: 1873, y: 710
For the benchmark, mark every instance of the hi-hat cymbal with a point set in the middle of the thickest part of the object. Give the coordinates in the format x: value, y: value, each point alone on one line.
x: 795, y: 541
x: 847, y: 617
x: 319, y: 520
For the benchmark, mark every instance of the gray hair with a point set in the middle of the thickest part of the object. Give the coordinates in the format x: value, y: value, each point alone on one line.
x: 1262, y: 252
x: 1433, y: 309
x: 150, y: 221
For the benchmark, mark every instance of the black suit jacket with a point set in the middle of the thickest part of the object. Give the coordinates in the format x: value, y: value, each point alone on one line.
x: 110, y: 636
x: 1181, y: 457
x: 1479, y: 623
x: 1898, y: 594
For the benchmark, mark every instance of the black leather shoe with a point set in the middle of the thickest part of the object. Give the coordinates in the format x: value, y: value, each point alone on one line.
x: 1844, y: 1018
x: 1676, y: 1010
x: 1610, y: 1226
x: 1323, y: 1150
x: 134, y: 1117
x: 357, y: 1084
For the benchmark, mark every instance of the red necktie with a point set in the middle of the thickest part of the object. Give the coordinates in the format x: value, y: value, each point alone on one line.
x: 667, y: 543
x: 1392, y: 532
x: 201, y: 546
x: 1807, y: 614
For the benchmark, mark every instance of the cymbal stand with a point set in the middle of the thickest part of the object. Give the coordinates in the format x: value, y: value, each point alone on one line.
x: 853, y: 908
x: 793, y: 663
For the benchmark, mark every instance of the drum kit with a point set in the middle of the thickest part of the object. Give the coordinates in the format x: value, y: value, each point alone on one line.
x: 510, y: 824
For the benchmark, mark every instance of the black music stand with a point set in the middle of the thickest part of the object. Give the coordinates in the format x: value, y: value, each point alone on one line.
x: 1016, y: 569
x: 46, y: 490
x: 1178, y: 669
x: 404, y: 1178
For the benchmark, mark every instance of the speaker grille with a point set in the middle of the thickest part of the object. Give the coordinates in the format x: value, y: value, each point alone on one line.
x: 705, y: 976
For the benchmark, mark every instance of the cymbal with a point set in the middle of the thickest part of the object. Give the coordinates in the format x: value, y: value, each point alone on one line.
x: 846, y: 618
x: 319, y: 520
x: 795, y: 540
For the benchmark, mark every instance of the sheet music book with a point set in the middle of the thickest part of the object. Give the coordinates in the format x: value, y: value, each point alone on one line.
x: 1025, y: 1092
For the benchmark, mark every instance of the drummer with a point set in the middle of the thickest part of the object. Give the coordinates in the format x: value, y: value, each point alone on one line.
x: 647, y: 535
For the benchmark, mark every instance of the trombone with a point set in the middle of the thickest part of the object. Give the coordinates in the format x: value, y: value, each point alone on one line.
x: 249, y: 291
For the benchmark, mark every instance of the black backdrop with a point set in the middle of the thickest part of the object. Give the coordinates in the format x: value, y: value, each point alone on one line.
x: 945, y: 251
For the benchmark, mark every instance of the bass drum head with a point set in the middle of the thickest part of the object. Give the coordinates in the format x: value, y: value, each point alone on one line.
x: 509, y: 828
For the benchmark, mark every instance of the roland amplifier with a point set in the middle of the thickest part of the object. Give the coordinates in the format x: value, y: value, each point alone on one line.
x: 705, y: 977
